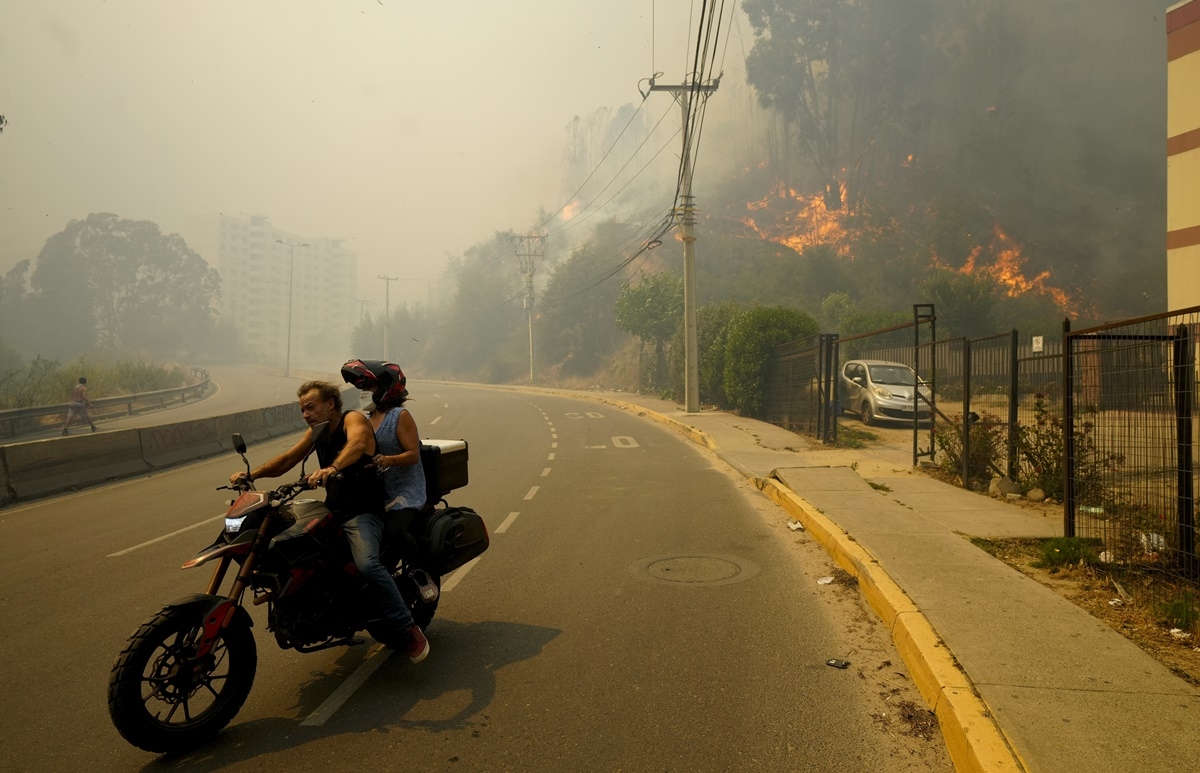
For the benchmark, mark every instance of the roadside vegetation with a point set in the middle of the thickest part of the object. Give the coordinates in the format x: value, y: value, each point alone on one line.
x: 49, y: 382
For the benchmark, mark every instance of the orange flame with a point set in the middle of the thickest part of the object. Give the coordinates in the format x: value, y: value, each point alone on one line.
x: 798, y: 221
x: 571, y: 210
x: 1006, y: 269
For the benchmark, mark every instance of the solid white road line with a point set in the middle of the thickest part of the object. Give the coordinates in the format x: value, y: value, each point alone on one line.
x: 166, y: 536
x: 507, y: 522
x: 532, y: 491
x: 379, y: 655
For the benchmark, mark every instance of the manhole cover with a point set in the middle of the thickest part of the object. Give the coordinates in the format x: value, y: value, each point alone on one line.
x: 687, y: 569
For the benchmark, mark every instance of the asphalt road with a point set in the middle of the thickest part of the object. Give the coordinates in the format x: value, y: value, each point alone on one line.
x: 640, y: 608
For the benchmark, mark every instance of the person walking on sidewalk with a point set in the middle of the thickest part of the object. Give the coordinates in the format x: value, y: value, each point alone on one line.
x: 79, y: 405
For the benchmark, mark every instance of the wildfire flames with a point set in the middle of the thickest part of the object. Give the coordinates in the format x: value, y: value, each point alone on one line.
x: 1006, y: 269
x: 799, y: 221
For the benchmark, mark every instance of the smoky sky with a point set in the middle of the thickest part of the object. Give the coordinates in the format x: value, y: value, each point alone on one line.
x: 411, y: 129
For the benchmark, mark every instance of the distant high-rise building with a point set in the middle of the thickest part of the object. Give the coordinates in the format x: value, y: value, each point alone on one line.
x: 265, y: 272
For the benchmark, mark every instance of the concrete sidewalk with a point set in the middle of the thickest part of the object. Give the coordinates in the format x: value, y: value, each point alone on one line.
x: 1019, y: 677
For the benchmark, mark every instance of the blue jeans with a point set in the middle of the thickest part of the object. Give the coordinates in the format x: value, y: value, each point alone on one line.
x: 365, y: 532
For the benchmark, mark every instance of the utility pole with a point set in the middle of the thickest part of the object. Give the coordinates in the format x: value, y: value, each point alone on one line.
x: 684, y: 94
x: 287, y: 368
x: 530, y: 250
x: 387, y: 309
x: 362, y: 309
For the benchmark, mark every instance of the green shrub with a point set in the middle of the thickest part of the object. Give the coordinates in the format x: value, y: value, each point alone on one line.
x: 1041, y: 453
x: 987, y: 447
x: 1182, y: 613
x: 1068, y: 551
x: 749, y: 346
x: 712, y: 329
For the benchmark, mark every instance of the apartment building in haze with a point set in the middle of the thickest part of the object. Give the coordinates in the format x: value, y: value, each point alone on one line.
x: 270, y: 276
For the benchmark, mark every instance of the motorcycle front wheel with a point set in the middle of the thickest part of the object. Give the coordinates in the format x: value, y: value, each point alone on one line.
x: 162, y: 698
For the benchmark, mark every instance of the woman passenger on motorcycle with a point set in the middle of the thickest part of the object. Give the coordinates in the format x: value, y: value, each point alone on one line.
x: 398, y: 447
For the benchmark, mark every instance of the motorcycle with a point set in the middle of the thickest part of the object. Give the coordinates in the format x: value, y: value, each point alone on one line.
x: 185, y: 673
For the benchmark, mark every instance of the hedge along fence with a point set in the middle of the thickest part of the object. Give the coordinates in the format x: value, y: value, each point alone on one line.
x: 40, y: 468
x: 736, y: 350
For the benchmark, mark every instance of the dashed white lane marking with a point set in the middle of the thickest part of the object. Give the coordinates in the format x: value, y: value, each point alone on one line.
x: 503, y: 527
x: 550, y: 458
x: 435, y: 421
x: 545, y: 472
x: 532, y: 491
x: 446, y: 405
x: 554, y: 435
x: 205, y: 522
x: 377, y: 657
x: 554, y: 445
x: 595, y: 446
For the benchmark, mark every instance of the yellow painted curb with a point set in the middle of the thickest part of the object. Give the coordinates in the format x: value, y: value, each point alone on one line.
x: 974, y: 741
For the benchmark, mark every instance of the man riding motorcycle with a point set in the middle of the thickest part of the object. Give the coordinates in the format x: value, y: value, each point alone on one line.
x: 358, y: 497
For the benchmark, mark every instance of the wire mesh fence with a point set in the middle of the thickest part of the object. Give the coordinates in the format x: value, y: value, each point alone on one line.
x: 1129, y: 437
x: 1103, y: 419
x: 792, y: 395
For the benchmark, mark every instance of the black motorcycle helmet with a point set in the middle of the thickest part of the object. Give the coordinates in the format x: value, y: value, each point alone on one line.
x: 384, y: 380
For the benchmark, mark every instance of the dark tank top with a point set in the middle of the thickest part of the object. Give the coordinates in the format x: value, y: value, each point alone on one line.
x: 361, y: 489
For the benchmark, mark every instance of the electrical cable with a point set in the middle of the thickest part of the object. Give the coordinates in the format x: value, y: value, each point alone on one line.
x: 577, y: 220
x: 598, y: 165
x: 614, y: 178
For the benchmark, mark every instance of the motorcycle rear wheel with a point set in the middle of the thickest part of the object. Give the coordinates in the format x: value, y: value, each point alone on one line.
x: 163, y: 699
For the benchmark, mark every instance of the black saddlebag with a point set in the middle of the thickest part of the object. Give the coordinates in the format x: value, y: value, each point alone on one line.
x: 453, y: 536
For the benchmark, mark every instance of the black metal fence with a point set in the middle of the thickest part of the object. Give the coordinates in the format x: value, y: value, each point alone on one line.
x: 1129, y: 434
x: 1105, y: 419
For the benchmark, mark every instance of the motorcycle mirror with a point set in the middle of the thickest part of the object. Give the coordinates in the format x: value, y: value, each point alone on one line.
x: 239, y: 445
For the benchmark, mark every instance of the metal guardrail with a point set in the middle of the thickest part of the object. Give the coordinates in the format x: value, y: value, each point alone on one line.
x: 17, y: 421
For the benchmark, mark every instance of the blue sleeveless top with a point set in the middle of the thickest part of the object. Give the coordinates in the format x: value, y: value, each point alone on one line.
x: 405, y: 485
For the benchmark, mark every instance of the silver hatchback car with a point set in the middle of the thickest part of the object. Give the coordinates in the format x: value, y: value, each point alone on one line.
x: 878, y: 389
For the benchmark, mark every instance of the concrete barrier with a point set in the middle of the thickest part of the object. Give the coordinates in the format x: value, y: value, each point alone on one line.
x: 40, y: 468
x: 183, y: 441
x: 250, y: 424
x: 283, y: 419
x: 6, y: 494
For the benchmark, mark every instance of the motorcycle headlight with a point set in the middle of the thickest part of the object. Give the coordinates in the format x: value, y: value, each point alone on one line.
x: 881, y: 392
x: 234, y: 525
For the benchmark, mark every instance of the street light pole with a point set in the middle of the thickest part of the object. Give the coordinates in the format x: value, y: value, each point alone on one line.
x: 287, y: 368
x: 387, y: 309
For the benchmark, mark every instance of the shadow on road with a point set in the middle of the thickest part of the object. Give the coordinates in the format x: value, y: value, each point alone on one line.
x: 465, y: 657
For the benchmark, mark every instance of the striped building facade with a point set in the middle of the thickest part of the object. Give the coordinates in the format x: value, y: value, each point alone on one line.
x: 1183, y: 155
